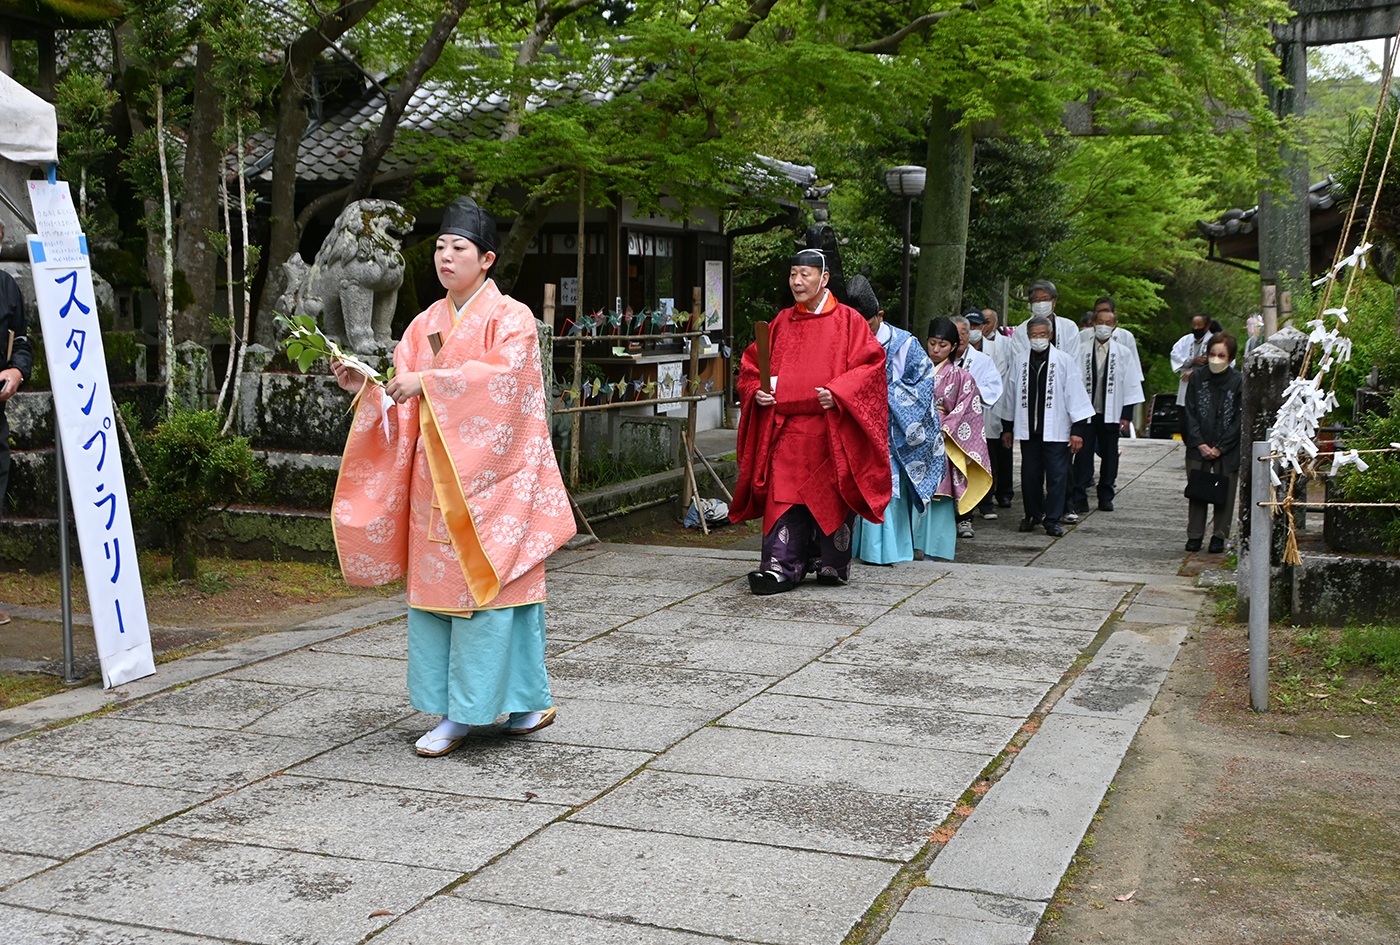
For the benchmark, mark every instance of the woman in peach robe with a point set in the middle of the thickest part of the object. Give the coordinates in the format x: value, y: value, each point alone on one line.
x: 449, y: 476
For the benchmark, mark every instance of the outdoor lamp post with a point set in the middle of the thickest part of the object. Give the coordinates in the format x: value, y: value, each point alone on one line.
x: 906, y: 181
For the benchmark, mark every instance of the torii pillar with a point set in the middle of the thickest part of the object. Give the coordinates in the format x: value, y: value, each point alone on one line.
x: 1285, y: 227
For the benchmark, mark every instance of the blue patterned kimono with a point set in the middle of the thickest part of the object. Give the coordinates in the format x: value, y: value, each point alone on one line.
x: 917, y: 459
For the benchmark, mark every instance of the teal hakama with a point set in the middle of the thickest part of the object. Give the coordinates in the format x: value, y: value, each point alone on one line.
x: 936, y: 534
x: 474, y: 669
x: 893, y: 539
x: 917, y: 460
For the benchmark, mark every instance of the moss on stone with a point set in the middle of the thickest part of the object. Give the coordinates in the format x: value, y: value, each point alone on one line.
x: 272, y: 535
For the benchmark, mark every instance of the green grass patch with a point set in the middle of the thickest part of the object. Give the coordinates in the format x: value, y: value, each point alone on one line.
x: 607, y: 471
x: 19, y: 688
x: 1352, y: 670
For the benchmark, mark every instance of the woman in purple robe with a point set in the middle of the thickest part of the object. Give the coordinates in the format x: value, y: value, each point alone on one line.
x: 967, y: 476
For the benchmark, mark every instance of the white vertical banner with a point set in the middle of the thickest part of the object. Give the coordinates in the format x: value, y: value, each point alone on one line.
x: 82, y: 400
x: 714, y: 294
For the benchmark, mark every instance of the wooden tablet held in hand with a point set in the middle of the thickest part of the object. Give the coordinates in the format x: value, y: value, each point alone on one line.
x: 760, y: 332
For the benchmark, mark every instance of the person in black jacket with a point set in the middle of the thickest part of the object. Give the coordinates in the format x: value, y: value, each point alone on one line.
x: 17, y: 364
x: 1213, y: 410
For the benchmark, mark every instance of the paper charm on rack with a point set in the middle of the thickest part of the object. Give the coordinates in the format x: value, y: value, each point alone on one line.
x: 1357, y: 259
x: 1347, y: 458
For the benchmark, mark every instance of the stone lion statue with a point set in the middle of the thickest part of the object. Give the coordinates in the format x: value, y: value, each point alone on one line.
x: 352, y: 286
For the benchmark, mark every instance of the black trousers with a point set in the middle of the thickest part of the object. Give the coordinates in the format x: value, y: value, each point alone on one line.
x: 1045, y: 473
x: 1003, y: 484
x: 1102, y: 438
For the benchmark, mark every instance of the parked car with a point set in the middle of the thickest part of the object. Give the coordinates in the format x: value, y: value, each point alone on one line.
x: 1164, y: 420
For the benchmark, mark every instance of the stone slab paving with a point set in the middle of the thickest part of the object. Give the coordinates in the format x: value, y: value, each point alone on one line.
x: 723, y: 768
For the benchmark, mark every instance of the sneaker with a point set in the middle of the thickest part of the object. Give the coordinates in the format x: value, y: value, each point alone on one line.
x: 989, y: 516
x: 1217, y: 544
x: 964, y: 529
x: 1070, y: 518
x: 1193, y: 544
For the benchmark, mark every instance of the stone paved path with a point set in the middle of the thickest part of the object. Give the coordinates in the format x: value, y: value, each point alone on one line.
x: 724, y: 767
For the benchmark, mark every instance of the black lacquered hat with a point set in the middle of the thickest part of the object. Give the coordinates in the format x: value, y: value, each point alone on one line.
x: 464, y: 218
x: 861, y: 297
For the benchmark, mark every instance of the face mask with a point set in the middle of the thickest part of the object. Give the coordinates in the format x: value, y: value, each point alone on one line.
x: 1103, y: 332
x: 1217, y: 365
x: 1199, y: 333
x: 1042, y: 309
x: 989, y: 332
x: 1040, y: 344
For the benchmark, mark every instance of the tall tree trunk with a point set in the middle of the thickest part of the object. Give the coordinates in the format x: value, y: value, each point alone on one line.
x: 228, y: 279
x: 377, y: 144
x: 199, y: 204
x: 292, y: 120
x: 527, y: 224
x: 249, y: 265
x: 167, y: 254
x: 155, y: 277
x: 943, y: 235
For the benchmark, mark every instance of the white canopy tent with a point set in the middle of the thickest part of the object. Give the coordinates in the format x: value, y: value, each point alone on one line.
x: 28, y: 125
x: 28, y: 136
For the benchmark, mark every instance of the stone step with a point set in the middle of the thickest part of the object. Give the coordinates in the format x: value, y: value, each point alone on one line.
x: 259, y: 533
x: 30, y: 412
x: 295, y: 480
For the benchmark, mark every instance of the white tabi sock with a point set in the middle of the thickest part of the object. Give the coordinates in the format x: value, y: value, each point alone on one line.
x: 525, y: 719
x: 447, y: 731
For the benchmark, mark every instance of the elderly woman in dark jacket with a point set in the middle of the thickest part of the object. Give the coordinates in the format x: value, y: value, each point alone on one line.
x: 1214, y: 407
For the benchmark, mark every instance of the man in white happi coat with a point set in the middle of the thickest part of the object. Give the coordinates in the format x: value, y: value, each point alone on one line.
x: 998, y: 347
x: 1114, y: 385
x: 985, y: 372
x: 1124, y: 337
x: 981, y: 366
x: 1189, y: 353
x: 1045, y: 407
x: 1064, y: 332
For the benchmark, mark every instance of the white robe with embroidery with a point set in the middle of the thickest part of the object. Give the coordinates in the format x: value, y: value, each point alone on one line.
x: 1066, y: 337
x: 1184, y: 353
x: 1124, y: 386
x: 1066, y: 402
x: 1120, y: 335
x: 984, y: 371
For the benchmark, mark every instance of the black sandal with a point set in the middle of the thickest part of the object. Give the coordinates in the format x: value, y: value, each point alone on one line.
x: 769, y: 582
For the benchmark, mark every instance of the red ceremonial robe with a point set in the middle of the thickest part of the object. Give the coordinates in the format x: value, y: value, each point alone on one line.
x: 796, y: 453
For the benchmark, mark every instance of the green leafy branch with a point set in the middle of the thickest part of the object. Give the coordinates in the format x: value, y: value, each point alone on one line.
x: 305, y: 345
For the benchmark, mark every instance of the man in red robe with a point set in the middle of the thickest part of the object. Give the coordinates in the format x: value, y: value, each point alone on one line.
x: 813, y: 448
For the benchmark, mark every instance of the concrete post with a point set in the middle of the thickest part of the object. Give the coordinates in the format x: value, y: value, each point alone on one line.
x: 1267, y: 371
x: 943, y: 235
x: 1260, y: 569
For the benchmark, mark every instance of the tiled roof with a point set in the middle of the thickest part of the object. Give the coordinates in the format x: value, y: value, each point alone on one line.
x: 330, y: 151
x: 1321, y: 196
